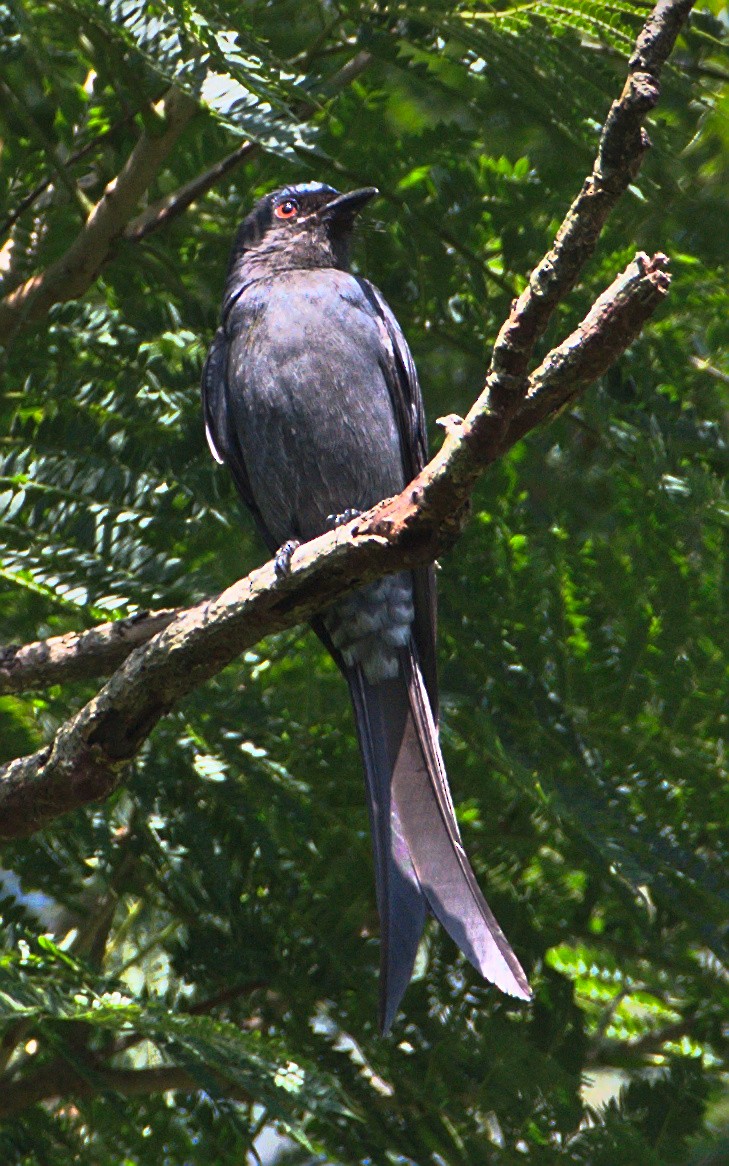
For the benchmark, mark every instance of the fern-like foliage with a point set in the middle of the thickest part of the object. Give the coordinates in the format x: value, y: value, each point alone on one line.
x: 216, y: 917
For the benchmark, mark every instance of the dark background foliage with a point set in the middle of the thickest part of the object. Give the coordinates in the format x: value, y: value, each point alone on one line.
x: 216, y: 917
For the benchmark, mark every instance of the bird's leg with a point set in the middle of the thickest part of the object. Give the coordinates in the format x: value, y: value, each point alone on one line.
x: 282, y: 558
x: 335, y: 520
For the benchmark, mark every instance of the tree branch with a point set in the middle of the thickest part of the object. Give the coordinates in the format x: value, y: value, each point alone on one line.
x: 610, y: 327
x: 637, y: 1053
x: 623, y: 143
x: 89, y: 1075
x: 33, y: 195
x: 61, y: 1079
x: 73, y: 273
x: 78, y: 655
x: 88, y: 756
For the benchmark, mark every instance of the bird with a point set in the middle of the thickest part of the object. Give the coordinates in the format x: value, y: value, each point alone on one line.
x: 311, y: 399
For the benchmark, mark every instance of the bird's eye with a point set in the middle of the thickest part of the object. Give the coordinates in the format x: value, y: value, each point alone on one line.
x: 287, y: 209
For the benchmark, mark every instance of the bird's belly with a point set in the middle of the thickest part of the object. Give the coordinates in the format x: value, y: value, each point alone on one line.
x: 318, y: 436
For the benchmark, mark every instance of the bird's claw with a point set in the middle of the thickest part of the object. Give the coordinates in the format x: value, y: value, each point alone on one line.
x: 282, y: 558
x: 335, y: 520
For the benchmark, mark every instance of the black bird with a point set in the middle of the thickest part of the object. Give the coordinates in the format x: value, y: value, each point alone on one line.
x: 311, y: 398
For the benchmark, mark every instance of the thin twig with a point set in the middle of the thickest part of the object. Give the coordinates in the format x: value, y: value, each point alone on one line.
x: 162, y: 213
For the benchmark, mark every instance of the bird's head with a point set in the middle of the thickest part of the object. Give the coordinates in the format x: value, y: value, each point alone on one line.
x: 303, y: 226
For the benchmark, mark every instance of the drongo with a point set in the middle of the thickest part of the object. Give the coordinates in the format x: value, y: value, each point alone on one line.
x: 311, y: 399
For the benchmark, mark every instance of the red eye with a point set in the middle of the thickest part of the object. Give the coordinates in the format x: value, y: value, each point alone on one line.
x: 287, y: 209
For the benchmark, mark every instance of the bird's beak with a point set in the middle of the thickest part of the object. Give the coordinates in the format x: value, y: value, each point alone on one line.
x: 346, y: 205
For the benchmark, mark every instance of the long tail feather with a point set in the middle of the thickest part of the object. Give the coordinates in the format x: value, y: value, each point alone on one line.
x: 437, y: 853
x: 419, y: 857
x: 381, y: 714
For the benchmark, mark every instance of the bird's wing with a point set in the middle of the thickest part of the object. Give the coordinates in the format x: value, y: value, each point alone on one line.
x: 407, y: 401
x: 219, y: 431
x: 402, y: 380
x: 215, y: 407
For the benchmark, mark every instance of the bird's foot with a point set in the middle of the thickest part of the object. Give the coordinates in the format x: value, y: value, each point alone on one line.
x: 335, y: 520
x: 282, y: 558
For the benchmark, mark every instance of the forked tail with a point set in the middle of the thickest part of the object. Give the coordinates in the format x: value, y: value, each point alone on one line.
x: 420, y: 862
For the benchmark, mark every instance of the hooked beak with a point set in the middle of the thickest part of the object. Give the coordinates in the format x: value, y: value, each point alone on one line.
x: 347, y: 205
